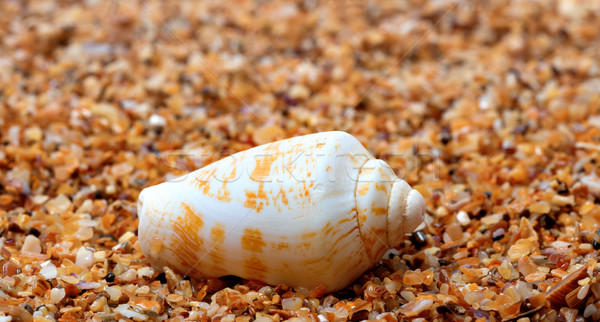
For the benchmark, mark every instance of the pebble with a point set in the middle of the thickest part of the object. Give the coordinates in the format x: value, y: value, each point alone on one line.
x: 291, y: 303
x: 299, y: 91
x: 583, y: 291
x: 540, y: 208
x: 88, y: 285
x: 126, y: 237
x: 519, y: 174
x: 114, y: 292
x: 498, y: 234
x: 85, y: 257
x: 491, y: 219
x: 422, y: 305
x: 589, y: 310
x: 157, y: 121
x: 463, y: 218
x: 454, y: 232
x: 559, y: 200
x: 110, y: 277
x: 149, y: 305
x: 99, y: 256
x: 419, y: 239
x: 33, y: 134
x: 56, y: 295
x: 130, y: 314
x: 32, y: 245
x: 58, y: 205
x: 110, y: 189
x: 145, y: 272
x: 507, y: 271
x: 69, y: 279
x: 585, y: 246
x: 407, y: 295
x: 99, y: 304
x: 84, y: 233
x: 39, y: 199
x: 143, y: 290
x: 174, y: 298
x: 441, y: 211
x: 71, y: 290
x: 49, y: 271
x: 268, y: 134
x: 9, y: 268
x: 128, y: 276
x: 13, y: 135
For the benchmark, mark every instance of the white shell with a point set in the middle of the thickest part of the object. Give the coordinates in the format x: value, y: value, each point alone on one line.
x: 315, y: 210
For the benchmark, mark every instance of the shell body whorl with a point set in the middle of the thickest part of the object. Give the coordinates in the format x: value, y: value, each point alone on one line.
x: 307, y: 211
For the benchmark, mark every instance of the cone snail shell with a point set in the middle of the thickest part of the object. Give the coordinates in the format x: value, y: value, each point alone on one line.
x: 314, y: 210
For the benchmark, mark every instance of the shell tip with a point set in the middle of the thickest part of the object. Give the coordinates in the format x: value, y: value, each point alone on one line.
x: 405, y: 211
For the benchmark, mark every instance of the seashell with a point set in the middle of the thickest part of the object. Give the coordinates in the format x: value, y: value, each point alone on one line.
x: 565, y: 292
x: 314, y: 210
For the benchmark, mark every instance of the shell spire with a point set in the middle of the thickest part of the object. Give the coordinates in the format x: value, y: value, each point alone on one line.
x: 405, y: 211
x: 387, y: 207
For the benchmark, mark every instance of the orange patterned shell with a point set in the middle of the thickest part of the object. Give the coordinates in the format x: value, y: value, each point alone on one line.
x: 308, y: 211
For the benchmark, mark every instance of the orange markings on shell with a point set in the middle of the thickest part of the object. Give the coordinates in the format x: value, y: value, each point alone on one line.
x: 223, y: 194
x: 310, y: 235
x: 284, y: 198
x: 378, y: 211
x: 217, y: 250
x: 313, y: 261
x: 347, y: 218
x: 282, y: 245
x: 381, y: 186
x: 256, y: 200
x: 327, y: 229
x: 362, y: 217
x: 217, y: 233
x: 188, y: 243
x: 251, y: 202
x: 202, y: 181
x: 231, y: 175
x: 255, y: 267
x: 363, y: 189
x: 203, y: 186
x: 343, y: 236
x: 252, y: 240
x: 372, y: 242
x: 262, y: 171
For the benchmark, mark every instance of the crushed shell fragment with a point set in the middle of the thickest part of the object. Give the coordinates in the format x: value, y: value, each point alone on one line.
x: 314, y: 210
x: 563, y: 294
